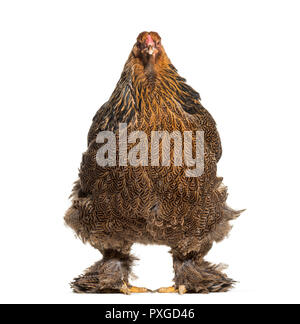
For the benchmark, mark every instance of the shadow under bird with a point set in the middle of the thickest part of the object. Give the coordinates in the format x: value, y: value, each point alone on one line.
x: 114, y: 207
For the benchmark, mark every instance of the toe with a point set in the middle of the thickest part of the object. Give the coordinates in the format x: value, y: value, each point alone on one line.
x: 166, y: 290
x: 124, y: 289
x: 134, y: 289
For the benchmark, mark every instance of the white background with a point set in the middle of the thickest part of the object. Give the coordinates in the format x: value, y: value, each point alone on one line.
x: 60, y: 61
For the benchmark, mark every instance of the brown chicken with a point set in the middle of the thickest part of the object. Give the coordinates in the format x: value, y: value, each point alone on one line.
x: 114, y: 207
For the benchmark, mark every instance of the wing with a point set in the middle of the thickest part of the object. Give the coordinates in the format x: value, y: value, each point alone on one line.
x: 189, y: 99
x: 211, y: 134
x: 119, y: 109
x: 99, y: 122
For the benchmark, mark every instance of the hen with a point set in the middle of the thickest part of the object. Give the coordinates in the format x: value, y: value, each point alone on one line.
x: 117, y: 205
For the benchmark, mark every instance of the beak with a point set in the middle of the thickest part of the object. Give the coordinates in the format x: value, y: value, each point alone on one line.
x: 150, y: 45
x: 150, y: 50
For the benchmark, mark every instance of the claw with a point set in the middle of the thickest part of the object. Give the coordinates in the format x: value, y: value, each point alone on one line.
x: 181, y: 289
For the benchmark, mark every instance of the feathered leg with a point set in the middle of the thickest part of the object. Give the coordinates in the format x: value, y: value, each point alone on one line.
x: 110, y: 275
x: 191, y: 270
x: 197, y: 275
x: 193, y: 274
x: 107, y: 275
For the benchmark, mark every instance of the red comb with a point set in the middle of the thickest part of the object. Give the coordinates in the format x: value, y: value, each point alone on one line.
x: 149, y: 41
